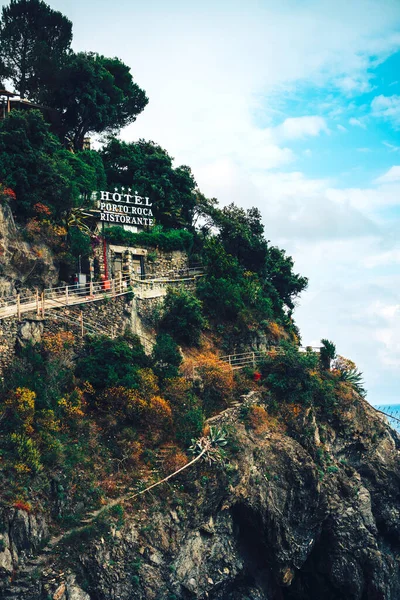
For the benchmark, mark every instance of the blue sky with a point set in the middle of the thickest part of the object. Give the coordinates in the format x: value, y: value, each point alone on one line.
x: 294, y: 107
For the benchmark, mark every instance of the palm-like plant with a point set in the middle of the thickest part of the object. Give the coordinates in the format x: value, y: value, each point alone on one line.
x: 355, y: 379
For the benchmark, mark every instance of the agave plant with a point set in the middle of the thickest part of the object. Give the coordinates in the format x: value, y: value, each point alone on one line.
x: 355, y: 379
x: 210, y: 446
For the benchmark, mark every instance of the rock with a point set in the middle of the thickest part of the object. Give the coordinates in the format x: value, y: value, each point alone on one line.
x: 73, y: 591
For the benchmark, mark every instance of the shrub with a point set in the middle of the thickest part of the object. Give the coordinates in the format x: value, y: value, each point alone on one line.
x: 20, y: 406
x: 159, y: 414
x: 215, y: 381
x: 188, y: 420
x: 174, y: 460
x: 57, y: 343
x: 182, y: 316
x: 147, y: 384
x: 293, y: 377
x: 166, y: 357
x: 122, y: 402
x: 171, y: 239
x: 258, y: 419
x: 107, y: 363
x: 22, y: 505
x: 28, y: 453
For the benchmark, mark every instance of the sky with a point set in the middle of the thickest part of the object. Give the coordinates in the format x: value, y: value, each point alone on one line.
x: 293, y: 107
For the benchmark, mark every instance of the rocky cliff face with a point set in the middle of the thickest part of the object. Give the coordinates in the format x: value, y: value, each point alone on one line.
x: 21, y: 264
x: 304, y: 508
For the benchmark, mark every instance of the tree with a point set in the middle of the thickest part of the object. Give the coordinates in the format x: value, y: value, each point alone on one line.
x: 149, y: 168
x: 327, y: 354
x: 166, y: 357
x: 279, y: 272
x: 36, y: 166
x: 182, y: 318
x: 108, y: 363
x: 34, y: 40
x: 94, y: 94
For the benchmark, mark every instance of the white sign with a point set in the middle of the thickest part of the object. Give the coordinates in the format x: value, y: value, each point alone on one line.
x: 124, y: 208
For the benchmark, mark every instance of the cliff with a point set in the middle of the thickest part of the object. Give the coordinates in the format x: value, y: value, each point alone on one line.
x: 305, y: 505
x: 22, y: 264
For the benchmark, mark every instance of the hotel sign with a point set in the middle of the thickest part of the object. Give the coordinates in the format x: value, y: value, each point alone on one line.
x: 125, y: 208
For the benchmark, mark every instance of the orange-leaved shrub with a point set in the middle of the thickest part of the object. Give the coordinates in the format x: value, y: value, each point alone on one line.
x: 215, y: 381
x: 57, y: 343
x: 159, y: 414
x: 173, y: 460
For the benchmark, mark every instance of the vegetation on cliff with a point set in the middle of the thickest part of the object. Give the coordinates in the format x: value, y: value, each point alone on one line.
x: 86, y: 421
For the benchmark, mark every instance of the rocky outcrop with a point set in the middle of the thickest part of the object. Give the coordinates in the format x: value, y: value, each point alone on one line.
x: 21, y: 264
x: 304, y: 510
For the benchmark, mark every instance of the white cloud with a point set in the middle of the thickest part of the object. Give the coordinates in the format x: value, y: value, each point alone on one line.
x: 208, y: 68
x: 387, y: 107
x: 357, y: 123
x: 341, y: 128
x: 355, y: 85
x: 300, y: 127
x: 386, y: 258
x: 391, y: 176
x: 391, y: 147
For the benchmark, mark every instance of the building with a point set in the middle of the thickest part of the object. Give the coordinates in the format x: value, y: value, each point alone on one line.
x: 10, y: 101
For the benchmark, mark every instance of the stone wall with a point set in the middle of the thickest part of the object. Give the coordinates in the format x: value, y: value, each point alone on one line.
x: 156, y: 262
x: 163, y: 264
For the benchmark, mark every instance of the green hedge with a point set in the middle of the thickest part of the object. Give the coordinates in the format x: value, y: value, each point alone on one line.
x: 173, y: 239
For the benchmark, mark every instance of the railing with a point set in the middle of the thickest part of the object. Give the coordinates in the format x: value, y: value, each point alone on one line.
x: 171, y: 276
x: 69, y: 295
x: 240, y: 360
x: 392, y: 413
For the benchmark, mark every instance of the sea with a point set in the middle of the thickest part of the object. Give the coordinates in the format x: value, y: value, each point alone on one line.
x: 393, y: 413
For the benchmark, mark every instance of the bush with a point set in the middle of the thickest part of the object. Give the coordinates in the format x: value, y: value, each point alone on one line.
x: 215, y: 381
x: 107, y: 363
x: 293, y: 377
x: 172, y: 239
x: 182, y: 317
x: 159, y: 415
x: 166, y: 357
x: 28, y: 454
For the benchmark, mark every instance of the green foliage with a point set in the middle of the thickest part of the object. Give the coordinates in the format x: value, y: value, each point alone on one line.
x: 355, y: 379
x: 105, y: 362
x: 166, y: 357
x: 327, y: 354
x: 234, y: 296
x: 28, y: 453
x: 292, y: 377
x: 182, y: 316
x: 279, y: 273
x: 79, y: 242
x: 48, y: 378
x: 173, y: 239
x: 188, y: 421
x: 171, y: 190
x: 34, y: 41
x: 241, y: 233
x: 213, y: 444
x: 94, y: 94
x: 35, y: 165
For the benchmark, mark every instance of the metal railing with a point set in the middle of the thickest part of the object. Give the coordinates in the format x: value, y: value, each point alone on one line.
x: 69, y: 295
x: 244, y: 359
